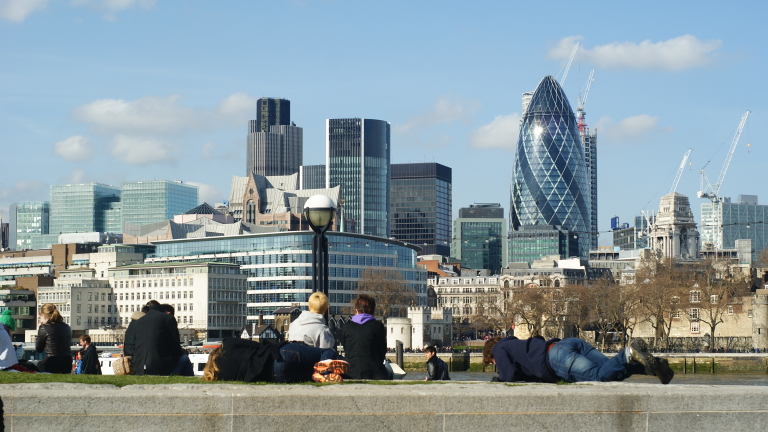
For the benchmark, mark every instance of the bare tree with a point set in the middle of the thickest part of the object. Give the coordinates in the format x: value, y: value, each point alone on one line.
x: 660, y: 284
x: 388, y: 289
x: 532, y: 306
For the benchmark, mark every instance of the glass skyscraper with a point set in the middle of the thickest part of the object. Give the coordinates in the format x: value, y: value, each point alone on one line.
x: 27, y: 219
x: 81, y: 208
x: 723, y: 222
x: 156, y: 201
x: 312, y: 177
x: 480, y: 237
x: 275, y: 144
x: 550, y: 180
x: 421, y: 206
x: 357, y: 159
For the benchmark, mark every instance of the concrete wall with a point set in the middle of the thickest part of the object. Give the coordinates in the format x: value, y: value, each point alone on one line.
x: 354, y: 407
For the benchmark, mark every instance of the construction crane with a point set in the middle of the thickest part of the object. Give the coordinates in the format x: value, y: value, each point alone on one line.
x: 568, y: 66
x: 673, y: 189
x: 580, y: 108
x: 708, y: 190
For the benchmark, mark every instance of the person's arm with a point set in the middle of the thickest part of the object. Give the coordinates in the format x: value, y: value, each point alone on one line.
x: 325, y: 339
x: 129, y: 344
x: 42, y: 335
x: 430, y: 371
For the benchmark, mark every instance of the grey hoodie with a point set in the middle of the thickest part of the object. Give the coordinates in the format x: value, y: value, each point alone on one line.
x: 310, y: 328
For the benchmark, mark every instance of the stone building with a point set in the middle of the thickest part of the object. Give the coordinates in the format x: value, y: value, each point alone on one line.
x: 424, y: 326
x: 674, y: 233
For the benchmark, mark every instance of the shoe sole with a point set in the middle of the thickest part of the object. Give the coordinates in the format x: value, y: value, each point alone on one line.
x: 338, y: 367
x: 327, y: 377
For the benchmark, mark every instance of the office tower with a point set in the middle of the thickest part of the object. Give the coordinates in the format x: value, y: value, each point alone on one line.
x: 81, y: 208
x: 550, y: 180
x: 532, y: 242
x: 589, y: 144
x: 147, y: 202
x: 421, y: 206
x: 480, y: 237
x: 312, y: 177
x: 724, y: 222
x: 357, y: 159
x: 275, y: 144
x: 3, y: 233
x: 27, y: 219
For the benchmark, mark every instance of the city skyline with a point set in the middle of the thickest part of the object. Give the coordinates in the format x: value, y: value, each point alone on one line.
x: 153, y: 98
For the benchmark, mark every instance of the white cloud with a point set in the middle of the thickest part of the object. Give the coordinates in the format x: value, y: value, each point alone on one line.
x: 113, y: 6
x: 676, y: 54
x: 76, y: 148
x: 78, y: 176
x: 445, y: 111
x: 629, y: 129
x: 237, y: 108
x: 18, y: 10
x: 22, y: 190
x: 208, y: 193
x: 143, y: 151
x: 502, y: 133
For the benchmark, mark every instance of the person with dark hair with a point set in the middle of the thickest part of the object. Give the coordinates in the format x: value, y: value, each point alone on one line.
x: 154, y: 343
x: 131, y: 330
x: 365, y: 342
x: 54, y: 336
x: 437, y: 370
x: 169, y: 309
x: 90, y: 359
x: 570, y: 360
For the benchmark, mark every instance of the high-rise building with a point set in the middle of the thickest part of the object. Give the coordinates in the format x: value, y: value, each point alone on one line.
x: 3, y: 233
x: 357, y: 159
x: 312, y: 177
x: 480, y: 237
x: 532, y: 242
x: 550, y: 179
x: 27, y: 219
x: 589, y: 144
x: 81, y: 208
x: 421, y: 206
x: 147, y: 202
x: 723, y: 222
x: 275, y: 144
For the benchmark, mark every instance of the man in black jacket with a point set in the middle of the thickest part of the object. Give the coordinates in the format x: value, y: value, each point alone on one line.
x: 90, y: 361
x: 154, y: 343
x: 437, y: 370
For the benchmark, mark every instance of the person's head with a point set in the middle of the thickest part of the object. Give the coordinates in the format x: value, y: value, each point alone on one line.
x: 318, y: 303
x: 211, y: 369
x: 167, y: 309
x: 365, y: 304
x: 85, y: 341
x: 7, y: 320
x: 488, y: 350
x: 50, y: 314
x: 430, y: 351
x: 145, y: 308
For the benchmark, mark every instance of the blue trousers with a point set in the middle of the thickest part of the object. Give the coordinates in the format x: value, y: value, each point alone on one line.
x: 574, y: 360
x: 298, y: 361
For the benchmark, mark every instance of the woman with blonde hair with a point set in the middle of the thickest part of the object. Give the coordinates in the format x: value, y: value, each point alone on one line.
x: 54, y: 336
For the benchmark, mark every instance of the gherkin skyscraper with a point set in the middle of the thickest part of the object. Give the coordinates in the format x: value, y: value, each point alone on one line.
x: 550, y: 181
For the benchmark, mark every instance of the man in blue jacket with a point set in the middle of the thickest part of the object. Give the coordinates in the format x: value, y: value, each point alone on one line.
x: 570, y: 360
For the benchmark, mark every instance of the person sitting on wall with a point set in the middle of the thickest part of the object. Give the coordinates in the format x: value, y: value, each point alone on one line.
x: 154, y: 343
x: 250, y: 361
x: 570, y: 360
x: 54, y: 336
x: 437, y: 370
x: 310, y: 326
x: 365, y: 342
x: 90, y: 359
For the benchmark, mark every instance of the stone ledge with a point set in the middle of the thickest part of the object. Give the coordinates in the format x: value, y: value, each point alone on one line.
x: 355, y: 407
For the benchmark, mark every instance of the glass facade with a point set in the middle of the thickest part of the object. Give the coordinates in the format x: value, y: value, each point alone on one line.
x: 28, y: 219
x: 279, y: 265
x: 724, y: 222
x: 480, y: 237
x: 357, y: 157
x: 421, y: 206
x: 531, y: 243
x: 312, y: 177
x: 81, y: 208
x: 550, y: 181
x: 275, y: 145
x: 155, y: 201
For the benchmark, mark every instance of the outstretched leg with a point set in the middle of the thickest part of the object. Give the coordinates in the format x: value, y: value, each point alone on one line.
x: 575, y: 360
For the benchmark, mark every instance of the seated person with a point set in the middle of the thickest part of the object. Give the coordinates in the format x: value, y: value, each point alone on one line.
x: 570, y: 360
x: 437, y: 370
x: 250, y: 361
x: 365, y: 342
x: 310, y: 326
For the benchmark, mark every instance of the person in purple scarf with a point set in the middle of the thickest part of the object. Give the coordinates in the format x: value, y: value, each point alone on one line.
x: 365, y: 342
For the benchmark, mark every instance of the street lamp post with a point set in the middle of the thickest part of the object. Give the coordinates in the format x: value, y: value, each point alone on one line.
x: 319, y: 211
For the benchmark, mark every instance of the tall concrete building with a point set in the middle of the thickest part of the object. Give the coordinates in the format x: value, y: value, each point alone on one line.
x: 421, y: 206
x: 550, y: 179
x: 480, y: 237
x: 723, y: 222
x: 674, y: 233
x: 275, y: 144
x: 357, y: 159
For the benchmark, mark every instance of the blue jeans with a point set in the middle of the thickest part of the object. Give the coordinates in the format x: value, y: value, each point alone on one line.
x: 298, y: 361
x: 574, y: 360
x: 184, y: 367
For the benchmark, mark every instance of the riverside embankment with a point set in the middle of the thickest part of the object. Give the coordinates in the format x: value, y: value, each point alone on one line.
x: 400, y: 407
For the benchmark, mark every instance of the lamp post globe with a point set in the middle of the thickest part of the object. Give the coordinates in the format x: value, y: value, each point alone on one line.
x: 319, y: 210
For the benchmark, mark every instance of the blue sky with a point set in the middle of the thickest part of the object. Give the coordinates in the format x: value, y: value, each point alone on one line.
x: 128, y: 90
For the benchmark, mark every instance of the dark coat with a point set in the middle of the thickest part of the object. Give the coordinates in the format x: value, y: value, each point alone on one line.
x: 90, y: 362
x: 55, y: 339
x: 245, y: 360
x: 524, y: 360
x: 437, y: 370
x: 154, y: 344
x: 365, y: 347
